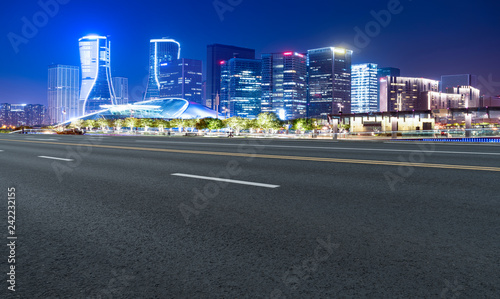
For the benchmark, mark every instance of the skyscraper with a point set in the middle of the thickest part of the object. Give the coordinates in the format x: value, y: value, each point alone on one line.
x: 284, y: 84
x: 63, y: 93
x: 364, y: 95
x: 406, y: 94
x: 329, y: 80
x: 450, y: 81
x: 215, y: 55
x: 182, y: 79
x: 120, y: 85
x: 97, y: 88
x: 34, y: 114
x: 160, y: 51
x: 241, y: 87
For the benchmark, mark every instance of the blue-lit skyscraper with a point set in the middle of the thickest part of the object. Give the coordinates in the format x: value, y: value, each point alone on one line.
x: 182, y: 79
x: 241, y: 87
x: 329, y: 81
x: 97, y: 87
x: 284, y: 85
x: 63, y: 93
x: 161, y: 51
x: 120, y: 85
x: 364, y: 88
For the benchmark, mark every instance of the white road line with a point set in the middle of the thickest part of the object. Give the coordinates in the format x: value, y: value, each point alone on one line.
x: 55, y: 158
x: 225, y: 180
x: 331, y: 148
x: 1, y: 150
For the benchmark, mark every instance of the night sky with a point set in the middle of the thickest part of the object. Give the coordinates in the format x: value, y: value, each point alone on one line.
x: 426, y: 39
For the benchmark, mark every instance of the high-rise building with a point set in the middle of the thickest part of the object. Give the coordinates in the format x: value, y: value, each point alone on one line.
x: 364, y: 88
x: 4, y: 114
x: 329, y: 81
x: 284, y: 84
x: 450, y: 81
x: 161, y: 51
x: 97, y: 87
x: 217, y: 53
x: 405, y: 94
x: 182, y: 79
x: 241, y: 87
x: 35, y: 114
x: 63, y: 93
x: 120, y: 85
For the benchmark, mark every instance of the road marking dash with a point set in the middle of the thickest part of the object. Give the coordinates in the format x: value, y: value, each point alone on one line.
x: 55, y: 158
x: 225, y: 180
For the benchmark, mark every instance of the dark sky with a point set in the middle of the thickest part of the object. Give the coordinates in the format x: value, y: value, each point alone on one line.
x: 426, y: 39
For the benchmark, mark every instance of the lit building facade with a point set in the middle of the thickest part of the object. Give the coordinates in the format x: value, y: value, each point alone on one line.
x: 329, y: 81
x: 63, y: 93
x: 182, y: 79
x: 405, y: 93
x: 22, y: 114
x: 364, y: 88
x: 284, y: 85
x: 241, y: 87
x: 217, y: 53
x: 97, y: 88
x: 456, y: 97
x: 161, y: 51
x: 120, y: 86
x: 35, y: 114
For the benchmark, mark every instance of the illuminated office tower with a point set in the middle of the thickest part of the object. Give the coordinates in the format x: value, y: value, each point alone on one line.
x: 63, y: 93
x: 241, y: 87
x: 329, y: 81
x: 120, y: 85
x: 364, y: 86
x: 182, y: 79
x: 215, y: 55
x: 97, y: 87
x: 284, y: 85
x: 161, y: 51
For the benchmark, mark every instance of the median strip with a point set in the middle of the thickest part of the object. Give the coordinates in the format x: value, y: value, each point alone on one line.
x: 225, y: 180
x: 261, y: 156
x: 55, y: 158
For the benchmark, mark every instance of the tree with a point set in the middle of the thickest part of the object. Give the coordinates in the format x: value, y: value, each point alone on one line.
x: 190, y: 123
x: 102, y: 123
x: 89, y: 124
x: 236, y: 123
x: 201, y: 124
x: 145, y: 123
x: 303, y: 124
x: 130, y: 122
x: 161, y: 124
x: 77, y: 124
x: 214, y: 123
x: 268, y: 121
x: 118, y: 124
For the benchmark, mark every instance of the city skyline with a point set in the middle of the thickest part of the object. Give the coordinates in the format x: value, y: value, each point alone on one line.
x: 447, y: 58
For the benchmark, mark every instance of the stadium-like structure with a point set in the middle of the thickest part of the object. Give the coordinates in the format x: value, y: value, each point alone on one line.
x: 164, y: 108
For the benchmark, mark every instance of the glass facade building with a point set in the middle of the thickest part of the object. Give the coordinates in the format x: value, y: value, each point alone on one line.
x: 22, y: 114
x: 63, y: 93
x: 364, y: 88
x: 217, y: 53
x: 329, y: 81
x: 161, y: 51
x: 97, y: 88
x: 182, y: 79
x: 120, y: 85
x: 241, y: 87
x: 284, y: 85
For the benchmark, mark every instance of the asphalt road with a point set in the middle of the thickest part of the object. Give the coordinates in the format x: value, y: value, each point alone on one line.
x: 145, y: 217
